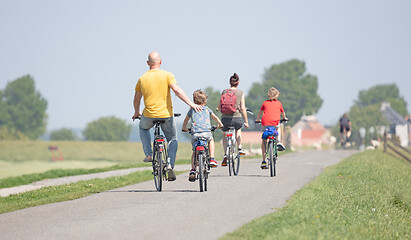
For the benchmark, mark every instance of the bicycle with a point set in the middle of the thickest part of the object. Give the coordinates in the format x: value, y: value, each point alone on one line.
x: 344, y: 139
x: 271, y: 151
x: 231, y: 152
x: 159, y: 163
x: 202, y: 160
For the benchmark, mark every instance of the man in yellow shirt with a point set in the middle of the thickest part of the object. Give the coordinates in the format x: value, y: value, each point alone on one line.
x: 154, y: 86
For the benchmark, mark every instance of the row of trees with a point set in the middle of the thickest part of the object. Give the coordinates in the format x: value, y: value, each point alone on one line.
x: 23, y: 116
x: 23, y: 109
x: 102, y: 129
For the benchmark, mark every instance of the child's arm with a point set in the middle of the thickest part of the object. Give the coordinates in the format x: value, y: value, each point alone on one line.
x: 284, y: 116
x: 260, y: 114
x: 185, y: 123
x: 215, y: 118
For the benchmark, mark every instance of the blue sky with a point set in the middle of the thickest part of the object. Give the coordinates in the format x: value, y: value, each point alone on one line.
x: 86, y: 56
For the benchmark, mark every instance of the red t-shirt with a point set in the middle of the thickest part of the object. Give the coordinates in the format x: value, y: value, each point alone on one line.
x: 272, y: 112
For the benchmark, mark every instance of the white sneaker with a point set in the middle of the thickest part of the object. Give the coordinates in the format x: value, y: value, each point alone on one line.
x: 241, y: 151
x: 280, y: 147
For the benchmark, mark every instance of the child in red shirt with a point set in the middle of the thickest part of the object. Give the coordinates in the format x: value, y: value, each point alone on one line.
x: 271, y: 110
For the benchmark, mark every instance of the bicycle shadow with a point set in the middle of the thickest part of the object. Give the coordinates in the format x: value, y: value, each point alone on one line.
x: 240, y: 176
x: 153, y: 191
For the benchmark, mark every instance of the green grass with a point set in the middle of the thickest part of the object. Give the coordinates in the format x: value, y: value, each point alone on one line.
x: 366, y: 196
x: 117, y: 152
x: 57, y: 173
x: 13, y: 169
x: 68, y: 192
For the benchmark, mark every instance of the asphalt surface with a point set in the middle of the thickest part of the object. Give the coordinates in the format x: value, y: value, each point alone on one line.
x: 180, y: 211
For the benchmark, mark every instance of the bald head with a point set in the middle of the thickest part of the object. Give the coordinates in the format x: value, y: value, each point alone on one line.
x: 154, y: 57
x: 154, y: 60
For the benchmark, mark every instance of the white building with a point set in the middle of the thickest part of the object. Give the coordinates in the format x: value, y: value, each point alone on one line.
x: 398, y: 126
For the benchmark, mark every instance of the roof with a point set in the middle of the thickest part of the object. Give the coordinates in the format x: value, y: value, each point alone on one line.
x: 391, y: 115
x: 308, y: 123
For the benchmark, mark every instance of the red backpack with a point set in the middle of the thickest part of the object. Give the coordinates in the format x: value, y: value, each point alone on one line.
x: 227, y: 101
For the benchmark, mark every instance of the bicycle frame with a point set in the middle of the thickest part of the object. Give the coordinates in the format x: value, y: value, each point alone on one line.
x: 271, y: 151
x: 159, y: 156
x: 233, y: 158
x: 201, y: 162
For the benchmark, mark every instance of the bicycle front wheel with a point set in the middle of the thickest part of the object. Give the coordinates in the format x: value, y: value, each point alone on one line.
x: 271, y: 161
x: 158, y: 170
x: 201, y: 168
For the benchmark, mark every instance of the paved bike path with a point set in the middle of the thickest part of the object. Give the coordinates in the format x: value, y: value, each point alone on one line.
x: 179, y: 212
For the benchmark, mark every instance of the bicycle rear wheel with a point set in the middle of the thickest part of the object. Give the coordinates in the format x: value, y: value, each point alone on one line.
x: 271, y: 162
x: 344, y: 141
x: 230, y: 156
x: 206, y: 171
x: 158, y: 170
x: 236, y: 164
x: 201, y: 178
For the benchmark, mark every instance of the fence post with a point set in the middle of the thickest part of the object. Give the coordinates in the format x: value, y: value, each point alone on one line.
x: 385, y: 141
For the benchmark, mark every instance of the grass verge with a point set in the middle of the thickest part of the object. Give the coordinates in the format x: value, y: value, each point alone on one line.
x: 68, y: 192
x: 57, y: 173
x: 366, y: 196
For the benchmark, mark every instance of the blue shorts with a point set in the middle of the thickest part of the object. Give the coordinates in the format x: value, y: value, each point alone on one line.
x: 269, y: 131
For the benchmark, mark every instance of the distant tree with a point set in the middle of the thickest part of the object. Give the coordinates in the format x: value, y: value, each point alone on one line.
x: 213, y: 98
x: 212, y: 102
x: 22, y: 108
x: 63, y: 134
x: 299, y: 90
x: 11, y: 134
x: 383, y: 93
x: 366, y: 117
x: 5, y: 118
x: 107, y: 129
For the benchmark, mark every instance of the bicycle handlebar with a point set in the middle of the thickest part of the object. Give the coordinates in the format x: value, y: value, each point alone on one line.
x: 139, y: 117
x: 247, y: 110
x: 213, y: 128
x: 281, y: 120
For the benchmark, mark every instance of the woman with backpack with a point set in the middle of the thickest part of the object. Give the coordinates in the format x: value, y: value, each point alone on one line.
x: 234, y: 112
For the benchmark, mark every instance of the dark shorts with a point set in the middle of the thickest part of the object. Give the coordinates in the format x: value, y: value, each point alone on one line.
x: 236, y: 122
x: 347, y: 128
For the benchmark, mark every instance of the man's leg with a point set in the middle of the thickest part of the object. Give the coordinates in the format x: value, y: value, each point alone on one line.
x: 145, y: 125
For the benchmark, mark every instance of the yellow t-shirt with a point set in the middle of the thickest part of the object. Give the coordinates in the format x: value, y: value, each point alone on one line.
x: 155, y: 87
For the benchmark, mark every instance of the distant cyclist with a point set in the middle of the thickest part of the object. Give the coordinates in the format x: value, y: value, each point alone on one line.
x: 270, y: 115
x: 155, y: 86
x: 234, y: 114
x: 345, y: 123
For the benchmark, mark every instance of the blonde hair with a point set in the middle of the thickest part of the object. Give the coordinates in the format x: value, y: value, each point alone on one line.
x: 273, y: 93
x: 199, y: 97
